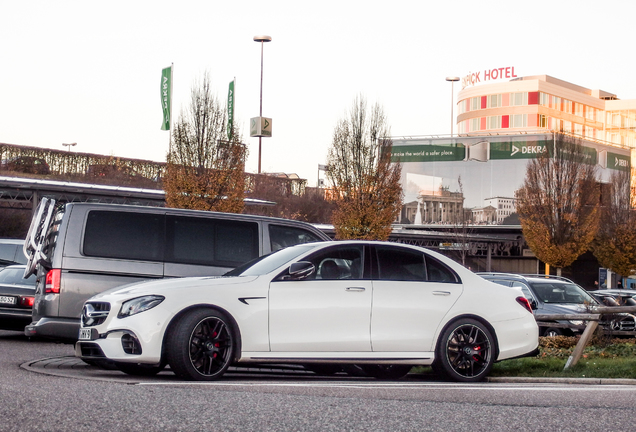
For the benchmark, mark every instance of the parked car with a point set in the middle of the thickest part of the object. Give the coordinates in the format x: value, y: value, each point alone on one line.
x: 16, y: 298
x: 550, y: 295
x: 615, y: 297
x: 26, y: 164
x: 11, y: 252
x: 80, y: 249
x: 382, y: 306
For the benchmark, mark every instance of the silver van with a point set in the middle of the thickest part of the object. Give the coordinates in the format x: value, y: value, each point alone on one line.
x: 80, y: 249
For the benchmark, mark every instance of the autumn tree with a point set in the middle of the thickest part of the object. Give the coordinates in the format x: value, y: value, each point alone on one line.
x: 205, y: 169
x: 366, y: 184
x: 615, y: 242
x: 558, y: 203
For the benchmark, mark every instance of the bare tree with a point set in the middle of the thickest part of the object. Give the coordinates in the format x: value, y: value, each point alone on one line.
x: 205, y: 171
x: 558, y: 203
x: 615, y: 242
x: 462, y: 228
x: 366, y: 185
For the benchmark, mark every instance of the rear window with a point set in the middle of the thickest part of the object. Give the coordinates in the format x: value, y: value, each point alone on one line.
x: 282, y: 236
x: 124, y: 235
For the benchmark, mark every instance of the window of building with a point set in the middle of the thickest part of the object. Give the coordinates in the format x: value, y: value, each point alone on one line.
x: 494, y: 101
x: 519, y: 99
x: 519, y: 120
x: 474, y: 124
x: 475, y: 103
x: 543, y: 121
x: 494, y: 122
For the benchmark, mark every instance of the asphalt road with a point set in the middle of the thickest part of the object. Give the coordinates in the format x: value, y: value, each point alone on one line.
x: 43, y: 388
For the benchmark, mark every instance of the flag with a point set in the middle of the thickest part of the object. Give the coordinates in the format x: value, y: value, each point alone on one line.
x: 166, y: 89
x: 230, y: 110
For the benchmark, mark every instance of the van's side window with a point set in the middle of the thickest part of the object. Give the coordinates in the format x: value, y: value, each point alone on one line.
x: 207, y: 241
x: 124, y: 235
x: 282, y: 236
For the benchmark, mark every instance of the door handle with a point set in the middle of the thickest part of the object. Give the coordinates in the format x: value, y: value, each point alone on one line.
x: 354, y: 289
x: 441, y: 293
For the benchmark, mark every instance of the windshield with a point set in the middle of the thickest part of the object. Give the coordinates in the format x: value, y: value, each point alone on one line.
x: 562, y: 293
x: 270, y: 262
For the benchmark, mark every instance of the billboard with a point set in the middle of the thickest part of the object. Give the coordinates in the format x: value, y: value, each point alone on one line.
x: 488, y: 166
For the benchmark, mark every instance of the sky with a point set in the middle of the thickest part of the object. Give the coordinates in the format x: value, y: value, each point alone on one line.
x: 89, y: 72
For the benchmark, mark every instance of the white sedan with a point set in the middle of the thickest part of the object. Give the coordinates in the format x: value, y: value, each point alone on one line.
x: 383, y: 307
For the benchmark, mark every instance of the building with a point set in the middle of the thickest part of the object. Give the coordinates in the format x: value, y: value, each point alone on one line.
x: 502, y: 126
x: 545, y: 103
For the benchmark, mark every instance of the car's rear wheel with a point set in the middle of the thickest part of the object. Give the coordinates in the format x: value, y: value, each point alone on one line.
x: 386, y: 371
x: 201, y: 345
x: 466, y: 351
x: 136, y: 369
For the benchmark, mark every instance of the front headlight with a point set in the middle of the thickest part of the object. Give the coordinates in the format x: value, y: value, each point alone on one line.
x: 139, y: 304
x: 576, y: 322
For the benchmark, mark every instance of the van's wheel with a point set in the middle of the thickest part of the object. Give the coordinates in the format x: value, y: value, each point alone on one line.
x: 466, y: 351
x: 386, y: 371
x: 552, y: 332
x: 137, y: 369
x: 201, y: 345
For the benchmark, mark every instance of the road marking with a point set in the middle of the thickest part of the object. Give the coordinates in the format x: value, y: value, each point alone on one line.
x: 404, y: 386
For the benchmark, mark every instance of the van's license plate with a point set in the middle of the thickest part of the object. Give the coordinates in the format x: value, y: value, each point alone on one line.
x: 86, y: 334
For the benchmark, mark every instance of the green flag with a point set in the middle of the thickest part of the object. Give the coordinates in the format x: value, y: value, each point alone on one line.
x: 230, y: 110
x: 166, y: 89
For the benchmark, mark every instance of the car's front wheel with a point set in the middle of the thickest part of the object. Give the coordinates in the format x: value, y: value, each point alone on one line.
x: 201, y: 345
x: 466, y: 351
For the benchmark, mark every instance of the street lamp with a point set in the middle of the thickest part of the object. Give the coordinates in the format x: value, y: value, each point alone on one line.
x: 262, y: 40
x: 452, y: 81
x: 69, y: 145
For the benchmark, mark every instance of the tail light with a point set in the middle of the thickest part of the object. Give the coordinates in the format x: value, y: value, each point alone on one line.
x: 52, y: 283
x: 524, y: 302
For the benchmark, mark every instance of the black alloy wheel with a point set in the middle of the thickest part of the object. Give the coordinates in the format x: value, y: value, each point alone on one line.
x: 201, y: 345
x: 466, y: 351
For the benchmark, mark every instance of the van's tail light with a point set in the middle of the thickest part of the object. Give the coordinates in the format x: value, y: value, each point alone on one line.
x: 53, y: 281
x: 524, y: 302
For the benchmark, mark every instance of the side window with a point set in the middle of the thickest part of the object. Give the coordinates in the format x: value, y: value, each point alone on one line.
x: 400, y: 264
x: 206, y: 241
x: 526, y: 291
x: 124, y: 235
x: 439, y: 272
x: 281, y: 236
x: 338, y: 262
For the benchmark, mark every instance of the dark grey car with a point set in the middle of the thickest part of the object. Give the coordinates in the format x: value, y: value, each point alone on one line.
x: 552, y: 295
x: 16, y: 298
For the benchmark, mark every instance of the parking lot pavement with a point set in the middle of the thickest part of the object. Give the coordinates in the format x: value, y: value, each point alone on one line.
x: 73, y: 367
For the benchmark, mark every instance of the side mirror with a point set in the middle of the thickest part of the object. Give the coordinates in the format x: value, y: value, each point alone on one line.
x: 533, y: 304
x: 300, y: 270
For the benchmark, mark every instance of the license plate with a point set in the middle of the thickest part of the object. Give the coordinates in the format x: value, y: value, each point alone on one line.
x: 86, y: 334
x: 8, y: 300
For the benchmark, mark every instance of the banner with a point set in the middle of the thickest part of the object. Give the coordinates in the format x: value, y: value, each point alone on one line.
x: 166, y: 89
x: 230, y: 110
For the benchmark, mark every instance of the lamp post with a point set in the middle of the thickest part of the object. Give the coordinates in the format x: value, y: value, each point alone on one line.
x: 262, y: 40
x: 69, y: 145
x: 452, y: 81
